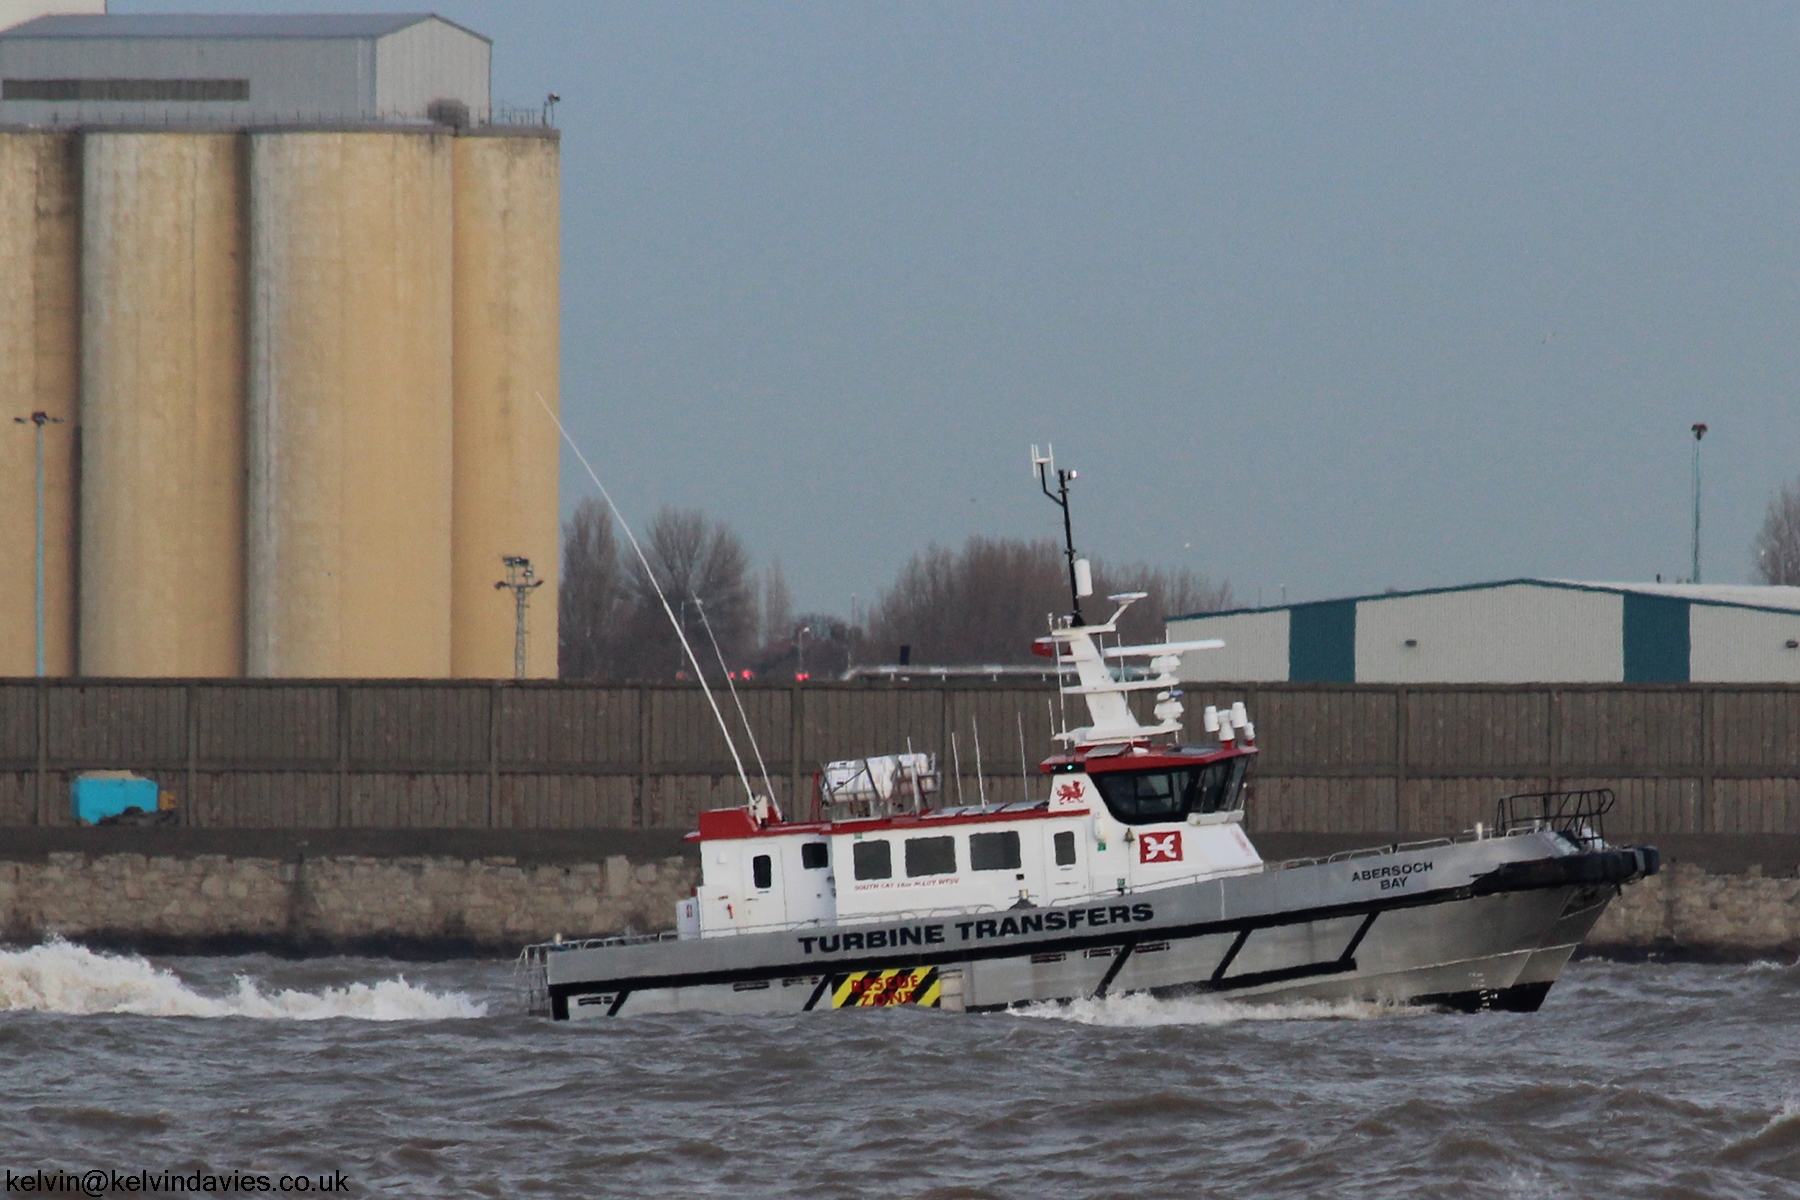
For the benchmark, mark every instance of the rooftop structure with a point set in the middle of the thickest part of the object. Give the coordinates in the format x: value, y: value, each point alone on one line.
x: 237, y: 70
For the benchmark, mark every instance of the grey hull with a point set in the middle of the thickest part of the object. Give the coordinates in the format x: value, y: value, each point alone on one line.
x: 1471, y: 925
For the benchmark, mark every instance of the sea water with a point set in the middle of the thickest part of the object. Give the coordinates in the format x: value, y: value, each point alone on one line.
x: 1635, y: 1080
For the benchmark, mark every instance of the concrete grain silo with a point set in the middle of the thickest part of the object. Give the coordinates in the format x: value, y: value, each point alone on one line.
x: 349, y: 426
x: 162, y: 353
x: 40, y: 204
x: 506, y: 351
x: 289, y: 282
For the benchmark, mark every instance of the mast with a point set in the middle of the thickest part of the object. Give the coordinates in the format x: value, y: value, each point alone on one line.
x: 1044, y: 466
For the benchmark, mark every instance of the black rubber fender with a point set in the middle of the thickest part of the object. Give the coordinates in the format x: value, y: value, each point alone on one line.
x: 1623, y: 865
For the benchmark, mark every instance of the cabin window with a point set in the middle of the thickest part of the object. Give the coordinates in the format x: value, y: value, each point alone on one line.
x: 814, y: 856
x: 1065, y: 849
x: 1147, y: 797
x: 931, y: 856
x: 762, y: 872
x: 994, y: 851
x: 873, y: 860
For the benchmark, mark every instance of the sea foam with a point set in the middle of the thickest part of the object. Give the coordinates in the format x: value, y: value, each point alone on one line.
x: 59, y: 977
x: 1142, y: 1011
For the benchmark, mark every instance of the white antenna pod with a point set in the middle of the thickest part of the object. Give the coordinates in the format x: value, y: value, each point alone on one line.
x: 1084, y: 577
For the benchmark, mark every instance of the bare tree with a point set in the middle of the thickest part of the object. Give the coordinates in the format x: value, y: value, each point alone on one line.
x: 984, y: 603
x: 1777, y: 545
x: 588, y: 597
x: 820, y: 645
x: 990, y: 600
x: 694, y: 559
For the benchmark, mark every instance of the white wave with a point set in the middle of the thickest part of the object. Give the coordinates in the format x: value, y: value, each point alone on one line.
x: 1781, y: 1126
x: 1769, y: 964
x: 1145, y: 1011
x: 59, y: 977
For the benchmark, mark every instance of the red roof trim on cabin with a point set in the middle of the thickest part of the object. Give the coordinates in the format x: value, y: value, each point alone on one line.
x: 1139, y: 758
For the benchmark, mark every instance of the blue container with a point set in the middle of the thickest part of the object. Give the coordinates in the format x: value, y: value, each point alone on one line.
x: 97, y: 798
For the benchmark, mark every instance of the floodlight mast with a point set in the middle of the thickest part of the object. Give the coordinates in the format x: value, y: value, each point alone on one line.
x: 40, y: 419
x: 1043, y: 466
x: 1699, y: 431
x: 521, y: 579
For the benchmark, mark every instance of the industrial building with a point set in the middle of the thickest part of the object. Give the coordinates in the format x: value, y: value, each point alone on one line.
x: 1515, y: 631
x: 289, y: 295
x: 66, y: 69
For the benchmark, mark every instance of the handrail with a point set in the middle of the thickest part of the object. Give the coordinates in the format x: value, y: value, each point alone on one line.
x: 1579, y: 816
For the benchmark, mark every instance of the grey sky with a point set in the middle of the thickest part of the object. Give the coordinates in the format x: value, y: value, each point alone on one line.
x: 1337, y: 296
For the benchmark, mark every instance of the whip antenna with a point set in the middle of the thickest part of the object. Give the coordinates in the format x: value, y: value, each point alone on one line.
x: 768, y: 789
x: 743, y: 778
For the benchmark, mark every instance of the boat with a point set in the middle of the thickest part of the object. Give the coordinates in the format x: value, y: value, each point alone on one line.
x: 1131, y: 873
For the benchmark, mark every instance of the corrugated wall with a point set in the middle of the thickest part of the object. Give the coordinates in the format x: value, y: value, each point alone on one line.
x: 505, y: 356
x: 40, y: 314
x: 1336, y: 758
x: 1743, y: 644
x: 1515, y: 634
x: 349, y: 421
x: 162, y: 381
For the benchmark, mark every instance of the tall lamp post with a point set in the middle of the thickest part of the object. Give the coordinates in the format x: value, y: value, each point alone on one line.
x: 521, y: 580
x: 1699, y: 430
x: 40, y: 419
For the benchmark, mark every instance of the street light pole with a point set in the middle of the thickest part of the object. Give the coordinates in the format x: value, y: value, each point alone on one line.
x: 40, y: 419
x: 1699, y: 430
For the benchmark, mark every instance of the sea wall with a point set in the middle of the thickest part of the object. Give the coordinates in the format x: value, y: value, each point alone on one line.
x: 408, y: 906
x: 1687, y: 911
x: 443, y: 893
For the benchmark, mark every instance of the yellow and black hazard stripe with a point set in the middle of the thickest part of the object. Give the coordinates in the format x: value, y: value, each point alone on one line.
x: 877, y: 989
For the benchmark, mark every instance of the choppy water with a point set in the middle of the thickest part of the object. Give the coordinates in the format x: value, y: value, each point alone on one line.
x: 1650, y: 1080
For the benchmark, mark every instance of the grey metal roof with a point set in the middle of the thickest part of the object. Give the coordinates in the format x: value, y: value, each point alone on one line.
x: 202, y: 25
x: 1756, y: 596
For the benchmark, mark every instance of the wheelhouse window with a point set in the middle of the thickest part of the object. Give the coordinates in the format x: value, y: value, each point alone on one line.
x: 1065, y: 849
x: 814, y: 856
x: 1149, y: 797
x: 930, y: 856
x: 994, y: 851
x: 872, y: 860
x: 762, y: 872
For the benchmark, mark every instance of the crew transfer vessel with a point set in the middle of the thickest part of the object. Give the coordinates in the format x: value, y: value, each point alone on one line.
x: 1130, y: 872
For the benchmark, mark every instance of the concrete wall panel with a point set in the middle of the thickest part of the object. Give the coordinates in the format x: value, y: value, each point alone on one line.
x: 163, y: 329
x: 350, y: 405
x: 40, y: 206
x: 506, y: 353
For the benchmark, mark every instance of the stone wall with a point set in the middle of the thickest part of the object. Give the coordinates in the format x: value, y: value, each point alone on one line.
x: 1687, y: 911
x: 413, y: 905
x: 438, y: 905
